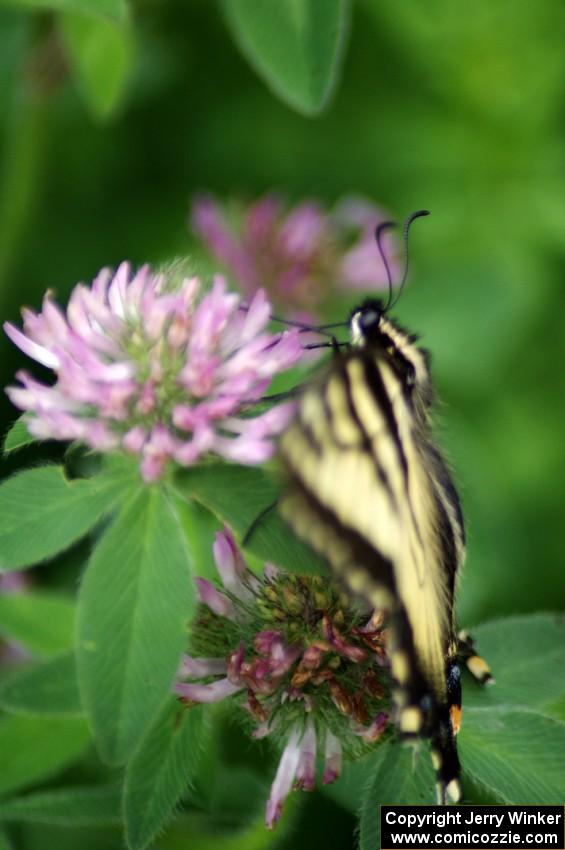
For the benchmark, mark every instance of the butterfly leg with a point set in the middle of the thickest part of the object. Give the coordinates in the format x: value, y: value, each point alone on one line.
x: 336, y: 345
x: 476, y: 665
x: 257, y: 522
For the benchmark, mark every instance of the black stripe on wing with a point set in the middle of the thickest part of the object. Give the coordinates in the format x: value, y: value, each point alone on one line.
x: 445, y: 482
x: 376, y: 385
x: 451, y: 527
x: 419, y: 712
x: 379, y: 570
x: 377, y: 573
x: 365, y: 438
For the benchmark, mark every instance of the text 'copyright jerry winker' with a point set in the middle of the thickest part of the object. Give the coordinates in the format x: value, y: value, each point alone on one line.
x: 472, y: 827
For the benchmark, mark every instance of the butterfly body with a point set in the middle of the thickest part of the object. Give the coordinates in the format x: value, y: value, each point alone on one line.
x: 371, y: 492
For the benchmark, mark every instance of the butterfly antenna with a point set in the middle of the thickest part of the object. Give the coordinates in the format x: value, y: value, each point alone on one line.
x: 405, y: 234
x: 303, y: 326
x: 291, y: 322
x: 380, y: 229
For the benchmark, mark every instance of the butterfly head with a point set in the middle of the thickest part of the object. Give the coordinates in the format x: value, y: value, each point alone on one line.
x: 365, y: 323
x: 371, y: 328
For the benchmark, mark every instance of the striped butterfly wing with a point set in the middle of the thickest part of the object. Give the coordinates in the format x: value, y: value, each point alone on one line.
x: 369, y: 492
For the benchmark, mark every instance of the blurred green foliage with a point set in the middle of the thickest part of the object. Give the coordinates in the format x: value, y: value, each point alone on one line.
x: 110, y: 120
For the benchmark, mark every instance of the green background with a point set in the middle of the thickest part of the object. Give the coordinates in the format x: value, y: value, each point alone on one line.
x: 455, y: 107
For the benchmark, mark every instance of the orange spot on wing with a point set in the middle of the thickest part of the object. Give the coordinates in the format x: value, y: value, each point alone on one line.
x: 455, y: 714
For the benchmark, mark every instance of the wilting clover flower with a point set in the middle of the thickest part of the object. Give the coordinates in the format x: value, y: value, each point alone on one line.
x: 302, y: 663
x: 300, y: 254
x: 155, y: 366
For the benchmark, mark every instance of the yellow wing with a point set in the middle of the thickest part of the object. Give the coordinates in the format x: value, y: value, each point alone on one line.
x: 361, y: 495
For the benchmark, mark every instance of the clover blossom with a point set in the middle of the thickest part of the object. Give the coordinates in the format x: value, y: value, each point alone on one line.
x: 298, y: 255
x: 156, y: 367
x: 304, y: 666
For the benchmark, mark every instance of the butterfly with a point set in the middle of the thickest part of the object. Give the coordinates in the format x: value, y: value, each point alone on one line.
x: 370, y: 491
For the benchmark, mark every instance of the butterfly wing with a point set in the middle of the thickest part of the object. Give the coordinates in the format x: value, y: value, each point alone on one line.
x: 362, y: 494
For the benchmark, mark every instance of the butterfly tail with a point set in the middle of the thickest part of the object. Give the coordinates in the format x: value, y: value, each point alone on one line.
x: 421, y: 712
x: 443, y: 738
x: 446, y: 759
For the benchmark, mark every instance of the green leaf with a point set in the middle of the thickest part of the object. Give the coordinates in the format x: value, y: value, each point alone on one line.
x: 200, y: 527
x: 556, y: 709
x: 160, y: 771
x: 5, y: 843
x: 35, y: 748
x: 100, y: 54
x: 114, y: 10
x: 296, y: 46
x: 134, y: 603
x: 516, y: 755
x: 42, y: 513
x: 527, y: 657
x: 18, y: 436
x: 43, y: 623
x: 73, y: 807
x: 237, y: 495
x: 46, y: 688
x: 402, y: 776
